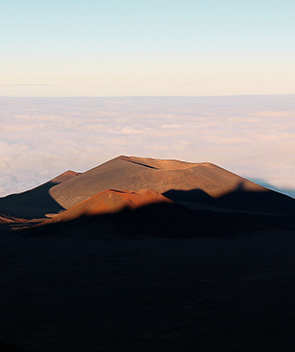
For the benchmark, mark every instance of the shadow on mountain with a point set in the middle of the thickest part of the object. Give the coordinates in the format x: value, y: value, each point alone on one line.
x: 35, y: 203
x: 194, y: 195
x: 239, y: 200
x: 165, y: 220
x: 268, y: 201
x: 142, y: 164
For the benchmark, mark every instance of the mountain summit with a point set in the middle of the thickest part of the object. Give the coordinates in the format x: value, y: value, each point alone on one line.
x: 198, y: 186
x: 133, y: 173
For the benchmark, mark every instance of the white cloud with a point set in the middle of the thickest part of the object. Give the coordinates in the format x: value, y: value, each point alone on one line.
x: 276, y: 114
x: 171, y: 126
x: 42, y: 137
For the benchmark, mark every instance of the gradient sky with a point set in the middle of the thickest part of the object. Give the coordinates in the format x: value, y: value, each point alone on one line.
x: 130, y: 48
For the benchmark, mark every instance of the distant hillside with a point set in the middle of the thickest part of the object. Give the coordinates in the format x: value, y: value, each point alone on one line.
x: 36, y: 202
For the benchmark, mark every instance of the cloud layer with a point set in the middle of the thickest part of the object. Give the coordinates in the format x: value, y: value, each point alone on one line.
x: 253, y: 136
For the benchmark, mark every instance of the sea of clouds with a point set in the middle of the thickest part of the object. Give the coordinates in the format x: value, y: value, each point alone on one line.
x: 253, y: 136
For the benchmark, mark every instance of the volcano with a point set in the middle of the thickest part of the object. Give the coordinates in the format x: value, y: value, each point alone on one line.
x: 134, y: 173
x: 198, y: 186
x: 195, y: 185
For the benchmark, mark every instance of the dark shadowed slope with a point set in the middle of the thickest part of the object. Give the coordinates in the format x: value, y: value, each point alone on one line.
x: 5, y: 347
x: 265, y: 201
x: 148, y: 212
x: 124, y: 213
x: 121, y: 213
x: 133, y: 174
x: 36, y: 202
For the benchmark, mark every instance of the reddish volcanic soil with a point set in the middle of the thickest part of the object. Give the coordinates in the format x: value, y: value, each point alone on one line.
x: 133, y: 174
x: 6, y: 219
x: 110, y: 201
x: 67, y: 175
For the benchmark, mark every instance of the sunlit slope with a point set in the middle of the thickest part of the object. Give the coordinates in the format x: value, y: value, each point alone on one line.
x: 126, y: 213
x: 134, y: 173
x: 6, y: 219
x: 110, y: 202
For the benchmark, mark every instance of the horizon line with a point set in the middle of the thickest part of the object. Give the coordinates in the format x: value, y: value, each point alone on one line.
x: 149, y: 96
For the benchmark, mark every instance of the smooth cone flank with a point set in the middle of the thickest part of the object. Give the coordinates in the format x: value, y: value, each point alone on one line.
x: 65, y: 176
x: 134, y: 173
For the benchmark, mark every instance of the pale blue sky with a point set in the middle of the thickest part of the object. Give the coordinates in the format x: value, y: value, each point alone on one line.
x: 123, y: 48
